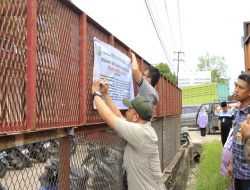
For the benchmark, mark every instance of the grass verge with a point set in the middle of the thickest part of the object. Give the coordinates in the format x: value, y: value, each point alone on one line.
x: 209, y: 176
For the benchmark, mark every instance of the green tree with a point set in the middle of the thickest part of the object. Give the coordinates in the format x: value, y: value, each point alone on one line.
x: 215, y: 64
x: 165, y: 70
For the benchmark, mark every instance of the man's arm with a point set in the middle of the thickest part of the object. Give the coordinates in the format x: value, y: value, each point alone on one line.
x: 104, y: 111
x: 108, y: 99
x: 135, y: 69
x: 219, y: 126
x: 245, y: 132
x: 247, y: 150
x: 245, y: 127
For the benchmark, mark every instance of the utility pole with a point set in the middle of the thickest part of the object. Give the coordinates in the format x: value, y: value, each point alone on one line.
x: 178, y: 62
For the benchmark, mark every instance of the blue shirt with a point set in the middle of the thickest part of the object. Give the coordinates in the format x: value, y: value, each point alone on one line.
x: 241, y: 170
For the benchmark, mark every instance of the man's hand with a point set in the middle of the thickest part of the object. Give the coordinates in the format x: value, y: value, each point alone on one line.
x: 230, y: 169
x: 104, y: 86
x: 95, y: 86
x: 134, y: 62
x: 135, y: 69
x: 245, y: 127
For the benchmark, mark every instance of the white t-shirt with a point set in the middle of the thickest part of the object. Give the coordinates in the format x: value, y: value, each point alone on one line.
x: 141, y: 156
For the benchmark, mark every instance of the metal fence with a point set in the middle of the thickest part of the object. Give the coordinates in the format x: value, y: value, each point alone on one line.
x: 88, y: 160
x: 91, y: 158
x: 46, y: 66
x: 46, y: 72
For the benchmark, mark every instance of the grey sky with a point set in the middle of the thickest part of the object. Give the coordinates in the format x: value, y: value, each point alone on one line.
x: 207, y: 26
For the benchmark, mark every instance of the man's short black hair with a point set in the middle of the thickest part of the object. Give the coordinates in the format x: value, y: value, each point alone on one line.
x: 154, y: 74
x: 223, y: 104
x: 245, y: 77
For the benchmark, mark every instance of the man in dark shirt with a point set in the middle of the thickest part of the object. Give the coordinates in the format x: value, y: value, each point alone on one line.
x: 225, y: 121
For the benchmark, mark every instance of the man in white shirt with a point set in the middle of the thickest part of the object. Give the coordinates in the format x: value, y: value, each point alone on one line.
x: 226, y: 118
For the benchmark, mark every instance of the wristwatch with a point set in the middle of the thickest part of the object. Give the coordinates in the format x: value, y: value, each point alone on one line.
x: 97, y: 93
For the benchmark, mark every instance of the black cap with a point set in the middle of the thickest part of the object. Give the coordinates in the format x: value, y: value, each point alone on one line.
x: 223, y: 104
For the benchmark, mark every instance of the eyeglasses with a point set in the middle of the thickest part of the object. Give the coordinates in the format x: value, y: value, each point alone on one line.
x: 145, y: 75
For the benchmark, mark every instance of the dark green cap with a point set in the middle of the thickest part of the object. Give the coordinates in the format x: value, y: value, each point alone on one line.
x: 142, y: 106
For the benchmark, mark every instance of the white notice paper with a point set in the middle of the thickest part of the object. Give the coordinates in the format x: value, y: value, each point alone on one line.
x: 115, y: 67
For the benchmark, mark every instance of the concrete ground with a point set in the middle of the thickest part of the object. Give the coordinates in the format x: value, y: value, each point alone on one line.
x: 196, y: 136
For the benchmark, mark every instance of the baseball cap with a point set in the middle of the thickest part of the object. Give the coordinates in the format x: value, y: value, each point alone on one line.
x: 142, y: 106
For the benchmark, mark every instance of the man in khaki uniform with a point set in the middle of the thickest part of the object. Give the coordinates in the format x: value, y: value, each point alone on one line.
x: 141, y: 155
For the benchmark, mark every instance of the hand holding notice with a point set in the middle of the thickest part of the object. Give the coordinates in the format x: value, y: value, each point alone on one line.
x: 104, y: 85
x: 134, y: 62
x: 95, y: 86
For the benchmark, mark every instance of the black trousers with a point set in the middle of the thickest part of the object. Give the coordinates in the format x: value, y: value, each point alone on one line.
x: 242, y: 184
x: 203, y: 132
x: 224, y: 134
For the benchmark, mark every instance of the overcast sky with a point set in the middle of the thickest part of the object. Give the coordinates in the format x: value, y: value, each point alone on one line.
x: 204, y: 26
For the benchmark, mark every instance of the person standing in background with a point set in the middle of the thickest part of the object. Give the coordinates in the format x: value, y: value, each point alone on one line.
x: 225, y: 121
x: 202, y: 121
x: 241, y: 170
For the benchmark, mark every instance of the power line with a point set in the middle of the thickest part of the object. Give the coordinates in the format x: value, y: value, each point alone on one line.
x: 162, y: 28
x: 178, y: 62
x: 169, y: 23
x: 158, y: 33
x: 156, y: 29
x: 179, y: 18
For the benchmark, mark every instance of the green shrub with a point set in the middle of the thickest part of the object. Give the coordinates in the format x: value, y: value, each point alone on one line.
x: 209, y: 176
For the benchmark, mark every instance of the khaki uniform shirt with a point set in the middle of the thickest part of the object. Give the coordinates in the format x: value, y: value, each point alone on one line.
x: 141, y: 156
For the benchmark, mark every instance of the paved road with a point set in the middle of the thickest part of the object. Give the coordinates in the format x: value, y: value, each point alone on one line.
x: 196, y: 137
